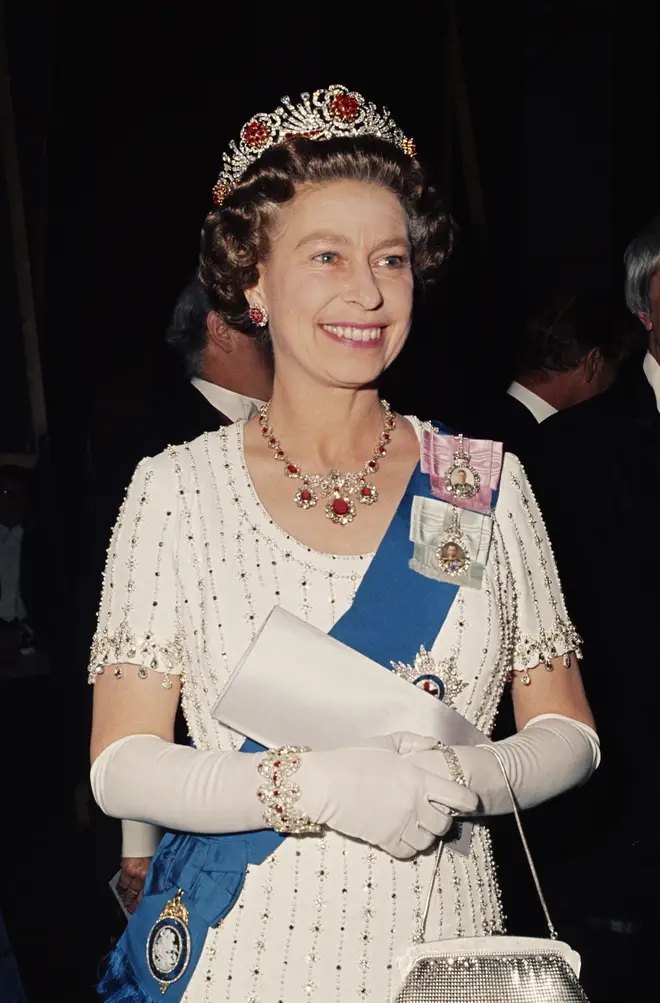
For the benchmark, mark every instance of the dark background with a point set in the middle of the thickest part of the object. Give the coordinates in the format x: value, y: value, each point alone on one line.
x: 121, y: 117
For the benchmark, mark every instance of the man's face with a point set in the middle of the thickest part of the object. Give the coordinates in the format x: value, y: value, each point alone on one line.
x: 452, y: 552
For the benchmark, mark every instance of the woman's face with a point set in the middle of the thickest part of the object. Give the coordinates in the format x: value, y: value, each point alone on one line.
x: 338, y: 283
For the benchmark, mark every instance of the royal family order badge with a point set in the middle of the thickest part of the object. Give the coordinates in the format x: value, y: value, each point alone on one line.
x: 451, y: 553
x: 461, y: 479
x: 168, y: 944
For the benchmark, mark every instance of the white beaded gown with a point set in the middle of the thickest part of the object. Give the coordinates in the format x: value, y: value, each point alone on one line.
x: 194, y: 567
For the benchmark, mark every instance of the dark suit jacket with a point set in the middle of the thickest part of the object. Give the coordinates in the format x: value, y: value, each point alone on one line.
x: 177, y: 413
x: 596, y: 473
x: 506, y: 420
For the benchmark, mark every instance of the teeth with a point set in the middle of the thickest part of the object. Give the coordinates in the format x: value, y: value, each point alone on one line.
x: 354, y: 333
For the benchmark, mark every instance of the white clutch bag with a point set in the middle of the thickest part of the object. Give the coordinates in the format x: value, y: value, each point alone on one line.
x: 296, y: 685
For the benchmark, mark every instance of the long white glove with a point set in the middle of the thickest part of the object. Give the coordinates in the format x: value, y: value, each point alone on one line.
x: 139, y: 839
x: 551, y: 754
x: 372, y: 792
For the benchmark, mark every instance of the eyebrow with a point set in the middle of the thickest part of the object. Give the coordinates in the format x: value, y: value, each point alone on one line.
x: 319, y: 235
x: 338, y: 238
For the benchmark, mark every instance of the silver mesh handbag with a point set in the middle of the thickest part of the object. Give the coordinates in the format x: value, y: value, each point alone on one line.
x: 494, y: 969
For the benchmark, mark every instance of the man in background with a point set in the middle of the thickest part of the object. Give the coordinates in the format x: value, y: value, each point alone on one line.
x: 601, y: 860
x: 225, y: 369
x: 215, y: 375
x: 569, y: 351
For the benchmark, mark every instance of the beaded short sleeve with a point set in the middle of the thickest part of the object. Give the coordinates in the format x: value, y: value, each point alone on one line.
x: 139, y: 617
x: 537, y: 618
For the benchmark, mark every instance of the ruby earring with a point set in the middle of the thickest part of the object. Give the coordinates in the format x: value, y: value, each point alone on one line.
x: 258, y: 316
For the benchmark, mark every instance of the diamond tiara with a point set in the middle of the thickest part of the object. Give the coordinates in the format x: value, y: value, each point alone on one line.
x: 325, y: 114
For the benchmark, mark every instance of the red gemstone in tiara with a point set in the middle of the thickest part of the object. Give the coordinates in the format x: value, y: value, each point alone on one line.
x: 344, y: 107
x: 256, y: 134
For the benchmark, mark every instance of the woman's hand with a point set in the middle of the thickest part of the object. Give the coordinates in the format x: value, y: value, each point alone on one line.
x: 550, y: 755
x: 374, y: 793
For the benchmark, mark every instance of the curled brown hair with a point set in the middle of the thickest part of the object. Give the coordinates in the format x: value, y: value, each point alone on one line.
x: 235, y: 236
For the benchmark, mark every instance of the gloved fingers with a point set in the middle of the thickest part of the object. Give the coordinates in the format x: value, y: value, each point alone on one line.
x: 434, y: 818
x: 418, y: 835
x: 449, y: 795
x: 407, y: 743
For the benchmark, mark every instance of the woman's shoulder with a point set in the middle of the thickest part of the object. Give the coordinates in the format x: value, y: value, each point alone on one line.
x: 419, y: 424
x: 179, y: 464
x: 515, y: 492
x: 512, y: 470
x: 520, y: 519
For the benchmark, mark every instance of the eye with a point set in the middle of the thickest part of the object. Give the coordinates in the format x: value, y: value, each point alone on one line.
x: 327, y: 257
x: 392, y: 261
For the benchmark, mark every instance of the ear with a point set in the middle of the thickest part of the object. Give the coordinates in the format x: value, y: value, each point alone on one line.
x: 220, y: 334
x: 593, y: 363
x: 646, y: 320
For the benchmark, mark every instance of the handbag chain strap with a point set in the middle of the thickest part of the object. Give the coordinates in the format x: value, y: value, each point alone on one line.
x: 421, y: 928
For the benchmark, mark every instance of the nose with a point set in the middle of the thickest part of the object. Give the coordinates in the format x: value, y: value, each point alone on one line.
x: 361, y: 287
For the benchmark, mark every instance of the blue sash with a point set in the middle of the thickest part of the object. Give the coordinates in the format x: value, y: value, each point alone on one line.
x: 395, y: 611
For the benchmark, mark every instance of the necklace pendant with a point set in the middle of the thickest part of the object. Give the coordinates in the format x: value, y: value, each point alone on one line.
x: 367, y: 493
x: 306, y: 497
x: 343, y: 491
x: 340, y: 509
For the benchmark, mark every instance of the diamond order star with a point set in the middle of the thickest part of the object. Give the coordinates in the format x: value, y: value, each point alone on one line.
x: 426, y: 665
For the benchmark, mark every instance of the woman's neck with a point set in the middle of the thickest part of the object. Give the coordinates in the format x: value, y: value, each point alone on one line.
x: 323, y: 428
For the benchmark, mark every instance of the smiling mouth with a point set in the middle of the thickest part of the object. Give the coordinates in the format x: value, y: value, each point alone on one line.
x: 361, y: 335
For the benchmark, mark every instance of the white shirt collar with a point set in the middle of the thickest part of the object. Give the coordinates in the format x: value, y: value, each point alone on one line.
x: 538, y: 407
x: 652, y: 371
x: 233, y: 405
